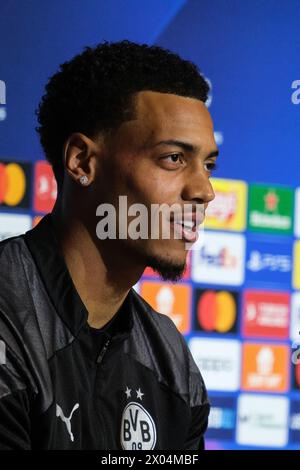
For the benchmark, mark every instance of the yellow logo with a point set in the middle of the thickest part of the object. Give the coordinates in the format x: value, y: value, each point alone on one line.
x: 296, y: 272
x: 228, y: 210
x: 12, y: 184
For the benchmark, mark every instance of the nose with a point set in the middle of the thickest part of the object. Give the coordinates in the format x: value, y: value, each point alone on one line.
x: 198, y: 188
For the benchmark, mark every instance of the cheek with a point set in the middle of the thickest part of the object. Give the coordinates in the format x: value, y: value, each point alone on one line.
x: 139, y: 182
x: 144, y: 182
x: 149, y: 189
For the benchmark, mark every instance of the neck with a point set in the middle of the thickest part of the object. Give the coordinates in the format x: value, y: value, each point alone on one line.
x: 101, y: 272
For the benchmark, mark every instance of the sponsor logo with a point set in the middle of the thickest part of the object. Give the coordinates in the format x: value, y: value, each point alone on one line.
x: 266, y: 313
x: 295, y: 317
x: 295, y: 422
x: 262, y: 420
x: 220, y: 259
x: 12, y: 225
x: 45, y: 188
x: 228, y: 210
x: 265, y: 367
x: 271, y: 209
x: 221, y: 422
x: 216, y: 310
x: 67, y: 420
x: 15, y: 182
x: 269, y: 261
x: 173, y: 301
x: 297, y: 213
x: 296, y: 270
x: 219, y: 362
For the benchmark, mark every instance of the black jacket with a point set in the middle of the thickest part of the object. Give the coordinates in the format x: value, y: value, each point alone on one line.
x: 63, y: 385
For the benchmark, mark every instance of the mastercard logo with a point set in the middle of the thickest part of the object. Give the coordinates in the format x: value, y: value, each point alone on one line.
x: 216, y: 311
x: 13, y: 183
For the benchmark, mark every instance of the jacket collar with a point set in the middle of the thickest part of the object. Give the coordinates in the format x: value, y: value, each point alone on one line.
x: 46, y: 252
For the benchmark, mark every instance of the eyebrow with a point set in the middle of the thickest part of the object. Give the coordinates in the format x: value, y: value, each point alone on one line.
x: 186, y: 146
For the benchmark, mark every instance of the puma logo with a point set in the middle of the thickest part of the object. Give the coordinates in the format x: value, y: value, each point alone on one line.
x: 67, y: 421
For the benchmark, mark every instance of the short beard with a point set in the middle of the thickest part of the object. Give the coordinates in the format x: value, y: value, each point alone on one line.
x: 167, y: 270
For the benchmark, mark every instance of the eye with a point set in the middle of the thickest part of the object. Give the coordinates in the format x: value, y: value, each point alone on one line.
x: 210, y: 166
x: 172, y: 161
x: 174, y: 158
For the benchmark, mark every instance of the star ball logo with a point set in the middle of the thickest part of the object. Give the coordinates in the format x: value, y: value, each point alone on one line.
x: 2, y: 100
x: 138, y: 430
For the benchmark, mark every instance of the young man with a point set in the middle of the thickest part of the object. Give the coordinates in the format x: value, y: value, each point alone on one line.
x: 88, y: 364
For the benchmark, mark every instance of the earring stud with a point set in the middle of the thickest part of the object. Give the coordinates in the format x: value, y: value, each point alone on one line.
x: 84, y: 180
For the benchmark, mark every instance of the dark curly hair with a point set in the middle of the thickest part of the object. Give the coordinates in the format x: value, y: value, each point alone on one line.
x: 94, y: 91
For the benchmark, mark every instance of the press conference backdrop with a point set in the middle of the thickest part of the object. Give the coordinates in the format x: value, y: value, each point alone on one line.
x: 238, y: 304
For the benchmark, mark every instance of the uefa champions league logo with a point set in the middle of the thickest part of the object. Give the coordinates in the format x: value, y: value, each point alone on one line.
x: 2, y: 100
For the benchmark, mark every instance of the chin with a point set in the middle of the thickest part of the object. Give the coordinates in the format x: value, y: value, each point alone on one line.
x: 169, y: 263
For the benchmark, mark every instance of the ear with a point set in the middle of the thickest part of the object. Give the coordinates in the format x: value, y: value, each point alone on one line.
x: 80, y: 157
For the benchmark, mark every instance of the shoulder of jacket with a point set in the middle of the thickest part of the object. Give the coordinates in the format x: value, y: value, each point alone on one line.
x: 171, y: 348
x: 12, y: 249
x: 164, y: 325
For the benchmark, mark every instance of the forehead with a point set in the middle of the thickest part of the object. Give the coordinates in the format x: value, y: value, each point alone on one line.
x: 160, y: 113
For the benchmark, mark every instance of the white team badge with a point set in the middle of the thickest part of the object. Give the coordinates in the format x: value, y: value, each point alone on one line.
x: 138, y: 431
x: 67, y: 421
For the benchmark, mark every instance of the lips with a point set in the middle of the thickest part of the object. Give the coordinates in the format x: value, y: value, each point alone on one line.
x: 184, y: 233
x: 186, y: 225
x: 189, y: 221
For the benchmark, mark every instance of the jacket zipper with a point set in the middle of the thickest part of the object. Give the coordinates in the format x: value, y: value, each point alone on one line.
x: 102, y: 352
x: 100, y: 357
